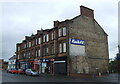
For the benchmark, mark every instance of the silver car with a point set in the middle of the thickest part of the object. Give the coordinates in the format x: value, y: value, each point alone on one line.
x: 31, y: 72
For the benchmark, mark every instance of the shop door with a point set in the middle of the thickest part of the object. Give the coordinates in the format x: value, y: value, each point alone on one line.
x: 60, y: 69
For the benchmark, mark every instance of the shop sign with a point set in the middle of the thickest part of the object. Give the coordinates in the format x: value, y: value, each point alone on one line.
x: 77, y: 42
x: 44, y: 60
x: 51, y: 59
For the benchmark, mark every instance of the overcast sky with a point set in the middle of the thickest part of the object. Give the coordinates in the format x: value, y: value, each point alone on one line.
x: 20, y: 19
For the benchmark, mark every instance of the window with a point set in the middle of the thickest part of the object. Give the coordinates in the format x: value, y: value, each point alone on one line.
x: 53, y: 49
x: 36, y: 53
x: 52, y: 36
x: 64, y: 31
x: 64, y: 47
x: 32, y: 52
x: 46, y: 38
x: 18, y: 48
x: 18, y: 56
x: 24, y: 45
x: 46, y: 51
x: 39, y: 40
x: 36, y: 41
x: 29, y: 54
x: 29, y: 44
x: 32, y: 43
x: 24, y: 54
x: 39, y: 52
x: 60, y: 32
x: 60, y: 47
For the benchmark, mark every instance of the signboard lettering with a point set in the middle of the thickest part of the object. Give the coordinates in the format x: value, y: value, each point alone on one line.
x: 77, y: 42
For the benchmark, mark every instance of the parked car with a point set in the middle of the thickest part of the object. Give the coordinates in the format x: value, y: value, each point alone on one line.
x: 20, y: 71
x: 14, y: 71
x: 32, y: 72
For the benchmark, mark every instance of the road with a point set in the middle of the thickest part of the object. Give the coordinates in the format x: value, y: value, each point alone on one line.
x: 9, y: 77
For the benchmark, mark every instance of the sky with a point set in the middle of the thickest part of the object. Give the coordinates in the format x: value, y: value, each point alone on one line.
x: 22, y: 18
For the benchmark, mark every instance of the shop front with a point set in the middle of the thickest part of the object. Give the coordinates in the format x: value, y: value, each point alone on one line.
x: 23, y: 65
x: 54, y: 66
x: 47, y: 65
x: 37, y: 65
x: 60, y: 66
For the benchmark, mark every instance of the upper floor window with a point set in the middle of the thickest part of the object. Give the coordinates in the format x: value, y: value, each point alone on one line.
x: 18, y: 48
x: 24, y: 54
x: 60, y: 32
x: 39, y: 53
x: 39, y: 40
x: 46, y: 50
x: 32, y: 52
x: 53, y: 49
x: 18, y: 56
x: 64, y: 47
x: 36, y: 53
x: 52, y: 35
x: 32, y: 43
x: 25, y: 45
x: 60, y: 47
x: 46, y: 38
x: 36, y: 41
x: 64, y: 31
x: 29, y: 44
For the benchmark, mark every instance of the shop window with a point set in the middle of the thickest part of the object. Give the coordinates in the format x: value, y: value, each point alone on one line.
x: 64, y: 47
x: 60, y: 47
x: 64, y: 31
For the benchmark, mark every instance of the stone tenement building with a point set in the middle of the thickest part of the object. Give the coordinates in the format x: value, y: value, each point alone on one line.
x: 74, y: 46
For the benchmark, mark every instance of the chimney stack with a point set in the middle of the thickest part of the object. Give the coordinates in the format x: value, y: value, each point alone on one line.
x: 56, y: 23
x: 87, y: 12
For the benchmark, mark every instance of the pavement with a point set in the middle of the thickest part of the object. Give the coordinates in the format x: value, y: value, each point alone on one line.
x: 9, y: 77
